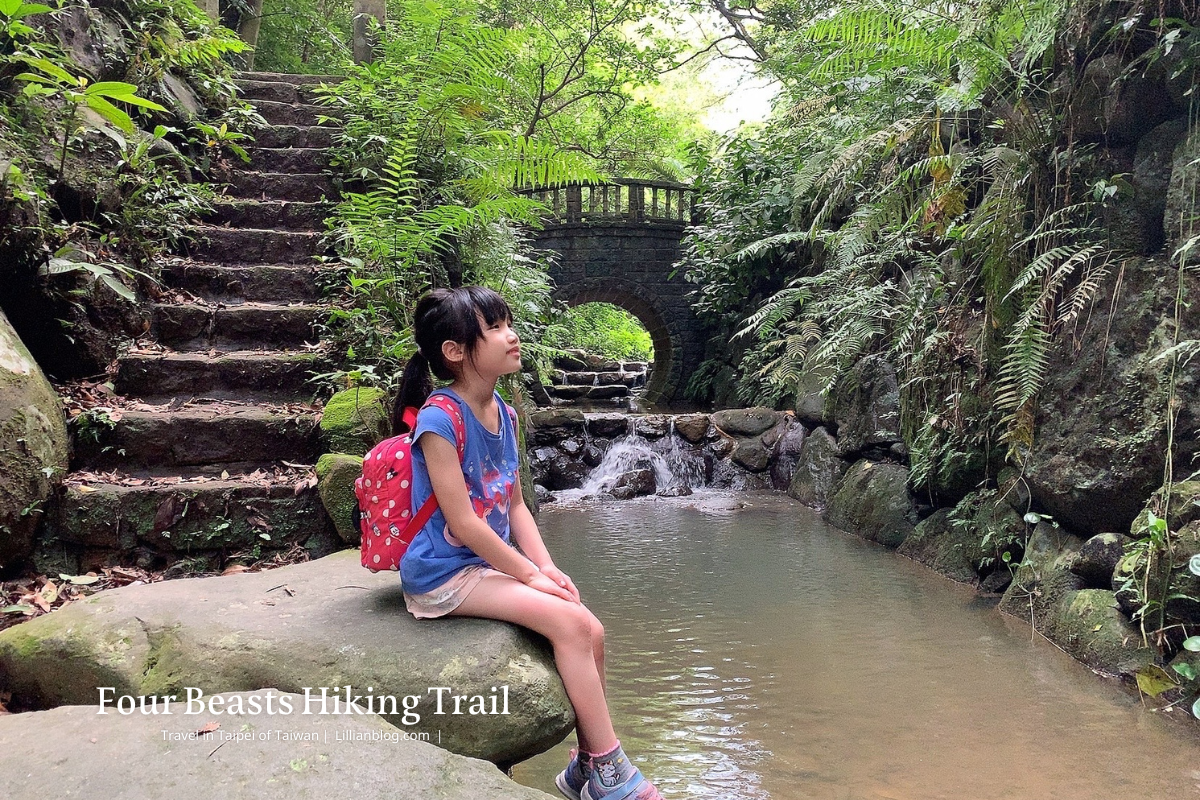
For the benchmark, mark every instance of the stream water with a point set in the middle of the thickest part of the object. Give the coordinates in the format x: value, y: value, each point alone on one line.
x: 755, y: 652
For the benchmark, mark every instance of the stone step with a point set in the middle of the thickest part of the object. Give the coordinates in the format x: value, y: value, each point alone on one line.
x: 275, y: 214
x: 276, y: 90
x: 570, y: 392
x: 232, y: 436
x: 100, y: 523
x: 247, y: 326
x: 245, y: 376
x: 288, y: 159
x: 253, y: 245
x: 295, y: 136
x: 305, y: 188
x: 291, y: 113
x: 244, y: 283
x: 287, y: 77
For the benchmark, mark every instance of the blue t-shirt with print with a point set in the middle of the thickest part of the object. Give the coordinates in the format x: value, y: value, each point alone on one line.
x: 490, y: 471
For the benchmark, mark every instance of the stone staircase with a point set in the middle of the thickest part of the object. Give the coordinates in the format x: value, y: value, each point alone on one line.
x: 207, y: 451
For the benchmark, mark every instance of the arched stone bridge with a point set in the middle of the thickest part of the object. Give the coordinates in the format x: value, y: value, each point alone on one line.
x: 618, y: 243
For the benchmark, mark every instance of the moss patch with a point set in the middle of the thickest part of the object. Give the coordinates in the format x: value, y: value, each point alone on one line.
x: 336, y: 473
x: 355, y: 420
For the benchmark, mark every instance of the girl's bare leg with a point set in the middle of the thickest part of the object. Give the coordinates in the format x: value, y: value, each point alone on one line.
x: 572, y: 630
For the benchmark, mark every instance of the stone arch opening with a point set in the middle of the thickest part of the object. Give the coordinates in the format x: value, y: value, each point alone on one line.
x: 665, y: 371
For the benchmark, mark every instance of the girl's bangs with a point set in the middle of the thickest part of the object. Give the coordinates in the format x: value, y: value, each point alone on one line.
x: 490, y: 305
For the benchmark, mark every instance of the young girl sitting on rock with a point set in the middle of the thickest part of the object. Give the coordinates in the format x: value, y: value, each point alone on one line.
x: 461, y: 563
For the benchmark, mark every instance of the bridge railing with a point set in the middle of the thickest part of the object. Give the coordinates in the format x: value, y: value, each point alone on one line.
x: 623, y: 199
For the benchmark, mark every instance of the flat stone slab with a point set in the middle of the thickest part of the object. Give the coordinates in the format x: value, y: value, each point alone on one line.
x: 327, y: 623
x: 250, y: 756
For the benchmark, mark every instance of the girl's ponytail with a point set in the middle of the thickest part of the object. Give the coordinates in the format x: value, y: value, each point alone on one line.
x: 416, y: 384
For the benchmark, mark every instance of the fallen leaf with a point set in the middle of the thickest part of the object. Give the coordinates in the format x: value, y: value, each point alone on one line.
x: 208, y: 728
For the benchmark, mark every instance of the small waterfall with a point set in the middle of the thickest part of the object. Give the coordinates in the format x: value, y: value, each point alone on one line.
x: 674, y: 466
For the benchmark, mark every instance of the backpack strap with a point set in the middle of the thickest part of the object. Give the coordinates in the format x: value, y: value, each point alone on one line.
x: 452, y: 409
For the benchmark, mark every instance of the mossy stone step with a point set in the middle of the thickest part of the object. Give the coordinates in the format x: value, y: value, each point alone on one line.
x: 291, y: 113
x: 295, y: 136
x: 247, y: 376
x: 235, y: 438
x: 275, y: 214
x: 288, y: 159
x: 244, y: 282
x: 154, y: 525
x: 276, y: 91
x: 305, y: 187
x: 247, y: 326
x: 287, y: 77
x: 253, y: 245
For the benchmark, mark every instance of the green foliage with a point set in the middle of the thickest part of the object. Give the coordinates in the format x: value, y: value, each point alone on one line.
x: 423, y: 132
x: 877, y: 213
x: 602, y: 329
x: 304, y: 36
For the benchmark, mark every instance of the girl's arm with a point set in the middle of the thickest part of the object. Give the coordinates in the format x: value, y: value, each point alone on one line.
x: 446, y: 477
x: 527, y: 536
x: 525, y: 533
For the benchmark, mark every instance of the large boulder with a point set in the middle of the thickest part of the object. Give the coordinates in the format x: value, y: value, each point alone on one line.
x: 1097, y: 559
x: 355, y: 420
x: 1089, y: 625
x: 1044, y: 576
x: 326, y: 623
x: 336, y: 474
x: 1102, y: 430
x: 872, y: 501
x: 33, y: 445
x: 1171, y: 583
x: 1181, y: 218
x: 812, y: 405
x: 945, y: 547
x: 269, y: 755
x: 692, y: 427
x: 786, y: 451
x: 1137, y: 220
x: 1116, y: 104
x: 867, y: 407
x: 818, y: 469
x: 746, y: 421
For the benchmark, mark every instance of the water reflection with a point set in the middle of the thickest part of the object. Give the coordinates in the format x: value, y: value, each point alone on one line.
x: 759, y: 654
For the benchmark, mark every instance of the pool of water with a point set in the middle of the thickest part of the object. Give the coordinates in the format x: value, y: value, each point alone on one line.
x: 755, y: 652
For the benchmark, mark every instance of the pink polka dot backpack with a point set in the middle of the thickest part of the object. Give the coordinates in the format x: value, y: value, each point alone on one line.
x: 384, y: 492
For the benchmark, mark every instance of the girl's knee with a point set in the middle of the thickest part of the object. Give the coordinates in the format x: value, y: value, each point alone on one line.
x: 573, y: 624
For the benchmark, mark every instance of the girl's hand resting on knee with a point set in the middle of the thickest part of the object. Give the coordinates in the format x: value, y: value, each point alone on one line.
x: 562, y: 579
x: 544, y: 583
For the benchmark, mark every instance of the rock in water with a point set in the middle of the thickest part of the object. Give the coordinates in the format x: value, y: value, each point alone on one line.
x: 33, y: 444
x: 818, y: 469
x: 250, y: 756
x: 324, y: 623
x: 872, y: 501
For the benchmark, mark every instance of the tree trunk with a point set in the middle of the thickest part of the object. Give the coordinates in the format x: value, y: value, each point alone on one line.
x: 211, y: 8
x: 248, y: 30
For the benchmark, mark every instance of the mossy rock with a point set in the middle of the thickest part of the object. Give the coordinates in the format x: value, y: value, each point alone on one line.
x: 355, y: 420
x: 33, y: 445
x: 336, y: 473
x: 872, y: 501
x: 1089, y: 625
x: 1044, y: 575
x: 944, y: 547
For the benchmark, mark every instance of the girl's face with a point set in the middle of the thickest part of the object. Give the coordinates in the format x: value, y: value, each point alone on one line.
x: 497, y: 352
